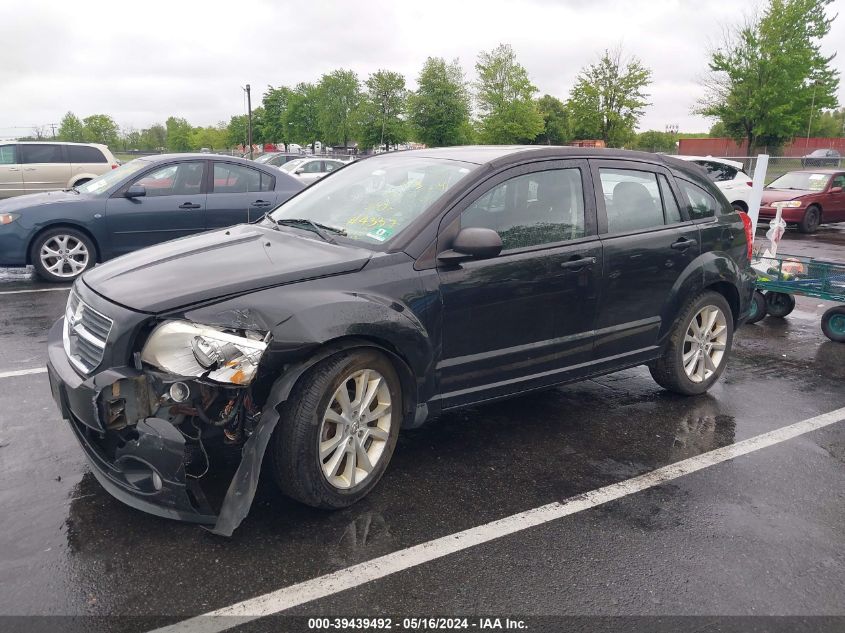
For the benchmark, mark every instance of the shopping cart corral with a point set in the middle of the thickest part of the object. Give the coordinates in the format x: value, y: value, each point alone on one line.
x: 781, y: 277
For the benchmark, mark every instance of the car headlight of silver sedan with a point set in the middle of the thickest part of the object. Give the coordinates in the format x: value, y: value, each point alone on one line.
x: 187, y: 349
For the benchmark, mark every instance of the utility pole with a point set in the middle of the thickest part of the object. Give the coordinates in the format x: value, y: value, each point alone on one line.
x: 53, y: 126
x: 810, y: 122
x: 249, y: 120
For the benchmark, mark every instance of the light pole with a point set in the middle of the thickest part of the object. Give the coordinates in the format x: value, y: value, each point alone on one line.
x: 249, y: 120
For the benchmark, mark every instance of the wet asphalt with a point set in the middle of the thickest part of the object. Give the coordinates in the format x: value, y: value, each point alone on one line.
x: 762, y: 534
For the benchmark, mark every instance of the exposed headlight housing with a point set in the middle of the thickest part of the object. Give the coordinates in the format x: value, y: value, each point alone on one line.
x: 187, y: 349
x: 787, y: 204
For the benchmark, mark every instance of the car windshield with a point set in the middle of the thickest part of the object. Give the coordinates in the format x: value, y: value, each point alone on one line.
x: 292, y: 164
x: 819, y: 152
x: 803, y: 180
x: 265, y: 158
x: 375, y: 199
x: 113, y: 177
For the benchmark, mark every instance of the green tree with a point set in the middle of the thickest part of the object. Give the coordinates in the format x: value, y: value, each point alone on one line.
x: 655, y: 141
x: 338, y: 95
x: 178, y: 134
x: 439, y: 109
x: 380, y: 114
x: 768, y: 75
x: 555, y: 121
x: 718, y: 130
x: 275, y: 124
x: 505, y: 99
x: 236, y: 130
x: 71, y: 129
x: 100, y: 128
x: 303, y: 114
x: 608, y: 98
x: 153, y: 138
x: 830, y: 123
x: 212, y: 137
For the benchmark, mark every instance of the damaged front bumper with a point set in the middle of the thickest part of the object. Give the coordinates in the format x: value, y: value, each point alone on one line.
x: 143, y: 464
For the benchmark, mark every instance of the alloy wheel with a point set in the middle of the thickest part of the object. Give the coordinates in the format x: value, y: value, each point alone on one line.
x: 705, y: 343
x: 355, y: 429
x: 64, y: 256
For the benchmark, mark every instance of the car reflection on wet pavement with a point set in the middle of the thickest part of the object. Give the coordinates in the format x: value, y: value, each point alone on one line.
x: 760, y: 534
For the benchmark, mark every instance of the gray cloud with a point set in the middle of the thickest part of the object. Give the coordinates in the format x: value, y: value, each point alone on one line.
x: 143, y: 63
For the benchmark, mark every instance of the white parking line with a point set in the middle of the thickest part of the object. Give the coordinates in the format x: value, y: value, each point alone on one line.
x: 329, y: 584
x: 20, y: 292
x: 22, y: 372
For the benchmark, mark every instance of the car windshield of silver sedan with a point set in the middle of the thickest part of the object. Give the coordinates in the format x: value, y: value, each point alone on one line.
x: 113, y: 177
x: 800, y: 180
x: 375, y: 199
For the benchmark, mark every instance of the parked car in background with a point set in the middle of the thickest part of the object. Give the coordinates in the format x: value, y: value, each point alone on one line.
x: 822, y: 158
x: 35, y: 167
x: 808, y: 198
x: 309, y: 170
x: 144, y: 202
x: 729, y: 177
x: 277, y: 159
x: 406, y: 285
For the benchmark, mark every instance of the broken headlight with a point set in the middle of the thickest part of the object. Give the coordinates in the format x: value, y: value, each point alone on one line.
x: 187, y: 349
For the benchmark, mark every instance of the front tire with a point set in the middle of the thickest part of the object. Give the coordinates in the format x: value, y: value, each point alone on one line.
x: 62, y: 254
x: 811, y: 220
x: 338, y: 430
x: 698, y: 347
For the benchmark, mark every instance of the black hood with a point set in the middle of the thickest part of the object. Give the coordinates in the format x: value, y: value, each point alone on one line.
x: 218, y: 264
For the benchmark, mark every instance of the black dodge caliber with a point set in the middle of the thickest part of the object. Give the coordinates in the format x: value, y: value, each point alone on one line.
x: 398, y: 287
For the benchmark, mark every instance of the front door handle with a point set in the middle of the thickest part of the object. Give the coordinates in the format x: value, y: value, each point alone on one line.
x: 683, y: 244
x: 14, y: 169
x: 260, y: 203
x: 189, y: 205
x: 29, y: 168
x: 577, y: 263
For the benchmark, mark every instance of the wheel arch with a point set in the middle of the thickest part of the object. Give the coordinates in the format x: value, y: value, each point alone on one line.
x: 742, y: 204
x: 59, y: 225
x: 731, y: 295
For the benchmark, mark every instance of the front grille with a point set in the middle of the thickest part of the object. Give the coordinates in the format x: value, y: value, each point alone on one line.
x: 85, y: 334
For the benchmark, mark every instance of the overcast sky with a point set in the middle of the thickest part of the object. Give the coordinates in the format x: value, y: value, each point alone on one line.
x: 142, y: 62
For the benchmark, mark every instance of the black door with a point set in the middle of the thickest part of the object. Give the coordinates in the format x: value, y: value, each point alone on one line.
x: 238, y: 194
x: 648, y: 243
x: 524, y: 318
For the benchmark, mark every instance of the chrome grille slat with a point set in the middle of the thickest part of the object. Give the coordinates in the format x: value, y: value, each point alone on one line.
x: 85, y: 334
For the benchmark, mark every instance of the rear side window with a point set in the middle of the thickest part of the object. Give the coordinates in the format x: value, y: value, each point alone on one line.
x: 84, y: 154
x: 718, y: 172
x: 632, y: 199
x: 42, y: 153
x: 701, y: 203
x: 670, y: 205
x: 538, y: 208
x: 229, y: 178
x: 8, y: 155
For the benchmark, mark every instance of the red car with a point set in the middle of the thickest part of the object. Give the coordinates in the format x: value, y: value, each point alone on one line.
x: 809, y: 197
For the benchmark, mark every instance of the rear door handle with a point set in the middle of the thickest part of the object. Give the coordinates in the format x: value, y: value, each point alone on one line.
x: 29, y: 168
x: 578, y: 263
x: 189, y: 205
x: 260, y: 203
x: 683, y: 244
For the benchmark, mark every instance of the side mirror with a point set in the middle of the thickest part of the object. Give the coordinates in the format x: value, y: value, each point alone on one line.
x: 835, y: 190
x: 473, y: 243
x: 299, y: 171
x: 135, y: 191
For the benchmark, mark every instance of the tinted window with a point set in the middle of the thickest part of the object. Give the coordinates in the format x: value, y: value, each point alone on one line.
x: 8, y: 155
x: 632, y: 200
x: 42, y: 153
x: 543, y: 207
x: 718, y: 172
x: 331, y: 165
x: 181, y: 179
x: 84, y: 154
x: 229, y: 178
x: 701, y: 203
x: 670, y: 205
x: 312, y: 167
x: 838, y: 181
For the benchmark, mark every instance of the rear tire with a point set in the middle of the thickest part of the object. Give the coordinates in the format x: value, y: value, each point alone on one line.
x: 758, y: 307
x: 698, y: 348
x: 833, y: 324
x: 779, y: 304
x: 811, y: 220
x: 320, y: 422
x: 62, y: 254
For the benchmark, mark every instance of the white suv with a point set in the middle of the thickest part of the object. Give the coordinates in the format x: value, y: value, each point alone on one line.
x: 34, y: 167
x: 728, y: 176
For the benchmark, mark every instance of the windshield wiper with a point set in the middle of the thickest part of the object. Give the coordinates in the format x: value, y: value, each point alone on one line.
x: 316, y: 227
